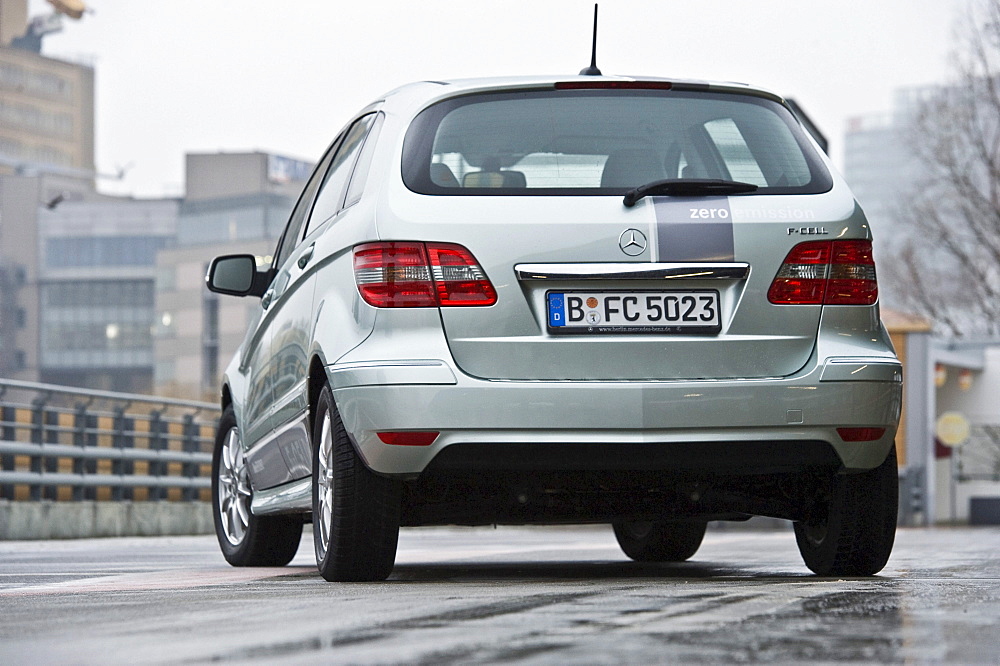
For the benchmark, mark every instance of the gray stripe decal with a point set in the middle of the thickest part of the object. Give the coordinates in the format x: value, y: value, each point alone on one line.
x: 694, y: 229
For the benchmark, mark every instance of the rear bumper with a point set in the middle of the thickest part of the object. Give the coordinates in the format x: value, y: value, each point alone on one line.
x: 729, y: 425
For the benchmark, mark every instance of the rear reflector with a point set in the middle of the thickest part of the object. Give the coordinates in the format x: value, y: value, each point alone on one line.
x: 408, y: 437
x: 826, y: 273
x: 860, y: 434
x: 418, y: 275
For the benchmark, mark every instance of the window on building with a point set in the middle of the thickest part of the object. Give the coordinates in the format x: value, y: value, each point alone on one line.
x: 101, y: 323
x: 90, y: 251
x: 210, y: 340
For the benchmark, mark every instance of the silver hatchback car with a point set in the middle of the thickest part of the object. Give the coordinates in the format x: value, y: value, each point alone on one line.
x: 590, y: 299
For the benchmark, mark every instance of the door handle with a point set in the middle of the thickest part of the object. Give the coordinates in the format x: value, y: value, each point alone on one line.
x: 265, y: 301
x: 306, y: 255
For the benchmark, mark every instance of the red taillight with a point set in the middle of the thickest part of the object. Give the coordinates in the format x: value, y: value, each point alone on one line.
x: 826, y: 273
x: 852, y: 274
x: 418, y: 275
x: 458, y: 276
x: 614, y: 85
x: 408, y: 437
x: 394, y: 275
x: 860, y: 434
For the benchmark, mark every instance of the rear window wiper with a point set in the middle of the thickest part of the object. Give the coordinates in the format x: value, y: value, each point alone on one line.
x: 687, y: 187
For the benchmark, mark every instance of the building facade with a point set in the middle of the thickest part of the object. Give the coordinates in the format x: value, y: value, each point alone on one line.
x: 46, y: 114
x: 46, y: 159
x: 96, y: 287
x: 108, y: 292
x: 22, y: 200
x: 234, y: 203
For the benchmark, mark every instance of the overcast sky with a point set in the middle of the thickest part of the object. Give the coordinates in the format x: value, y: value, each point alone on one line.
x: 181, y: 76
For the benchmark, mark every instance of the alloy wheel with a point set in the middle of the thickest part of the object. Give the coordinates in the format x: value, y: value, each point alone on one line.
x: 324, y: 488
x: 234, y: 489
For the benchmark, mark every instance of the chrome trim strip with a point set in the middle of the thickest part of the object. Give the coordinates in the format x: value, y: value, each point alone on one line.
x: 403, y: 371
x: 294, y: 497
x: 861, y: 370
x: 633, y: 271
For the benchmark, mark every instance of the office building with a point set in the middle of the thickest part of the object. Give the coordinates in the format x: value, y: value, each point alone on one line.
x: 46, y: 159
x: 234, y: 203
x: 96, y: 284
x: 46, y: 105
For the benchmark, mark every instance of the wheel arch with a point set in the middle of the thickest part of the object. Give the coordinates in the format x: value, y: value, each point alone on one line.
x: 317, y: 379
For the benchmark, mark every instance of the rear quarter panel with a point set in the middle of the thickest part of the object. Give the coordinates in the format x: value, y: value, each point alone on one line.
x: 342, y: 320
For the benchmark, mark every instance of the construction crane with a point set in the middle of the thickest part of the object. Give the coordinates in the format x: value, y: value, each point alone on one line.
x: 46, y: 24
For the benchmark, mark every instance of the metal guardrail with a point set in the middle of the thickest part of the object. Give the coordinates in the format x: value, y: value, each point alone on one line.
x: 63, y: 443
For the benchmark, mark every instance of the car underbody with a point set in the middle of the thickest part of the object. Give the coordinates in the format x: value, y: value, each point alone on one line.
x: 513, y: 484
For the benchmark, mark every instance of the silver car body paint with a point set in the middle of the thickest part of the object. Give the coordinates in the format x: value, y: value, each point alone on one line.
x: 495, y: 375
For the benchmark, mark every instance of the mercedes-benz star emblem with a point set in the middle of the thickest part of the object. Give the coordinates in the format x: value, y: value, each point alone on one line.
x: 632, y: 242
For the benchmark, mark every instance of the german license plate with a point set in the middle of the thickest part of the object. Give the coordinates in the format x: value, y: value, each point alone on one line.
x: 695, y: 311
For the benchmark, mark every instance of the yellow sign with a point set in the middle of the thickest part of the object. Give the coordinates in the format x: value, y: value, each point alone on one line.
x: 952, y: 429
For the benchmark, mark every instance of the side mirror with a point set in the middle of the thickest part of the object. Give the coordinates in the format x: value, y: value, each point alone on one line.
x: 236, y: 275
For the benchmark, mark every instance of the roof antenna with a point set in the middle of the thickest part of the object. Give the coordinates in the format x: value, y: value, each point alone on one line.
x: 592, y: 70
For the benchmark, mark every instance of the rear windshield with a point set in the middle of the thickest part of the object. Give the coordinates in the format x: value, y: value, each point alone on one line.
x: 606, y: 142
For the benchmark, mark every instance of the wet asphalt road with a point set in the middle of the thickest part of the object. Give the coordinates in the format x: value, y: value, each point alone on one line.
x: 510, y: 595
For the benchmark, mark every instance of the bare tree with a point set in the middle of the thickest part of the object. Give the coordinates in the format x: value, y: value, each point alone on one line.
x: 950, y: 270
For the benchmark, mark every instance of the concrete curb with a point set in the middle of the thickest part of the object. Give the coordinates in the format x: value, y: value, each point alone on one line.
x: 83, y: 520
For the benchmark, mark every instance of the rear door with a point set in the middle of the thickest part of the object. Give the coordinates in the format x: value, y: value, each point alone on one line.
x: 268, y: 464
x: 590, y: 289
x: 576, y: 252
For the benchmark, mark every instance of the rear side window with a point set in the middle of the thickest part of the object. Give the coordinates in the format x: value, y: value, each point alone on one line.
x: 360, y: 174
x: 606, y: 142
x: 331, y: 193
x: 293, y: 229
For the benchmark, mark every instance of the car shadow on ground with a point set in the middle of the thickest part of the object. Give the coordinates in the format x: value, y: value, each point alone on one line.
x: 595, y: 570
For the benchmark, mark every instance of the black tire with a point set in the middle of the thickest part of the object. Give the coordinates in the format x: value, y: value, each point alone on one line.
x: 668, y: 541
x: 246, y: 540
x: 355, y: 511
x: 853, y: 536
